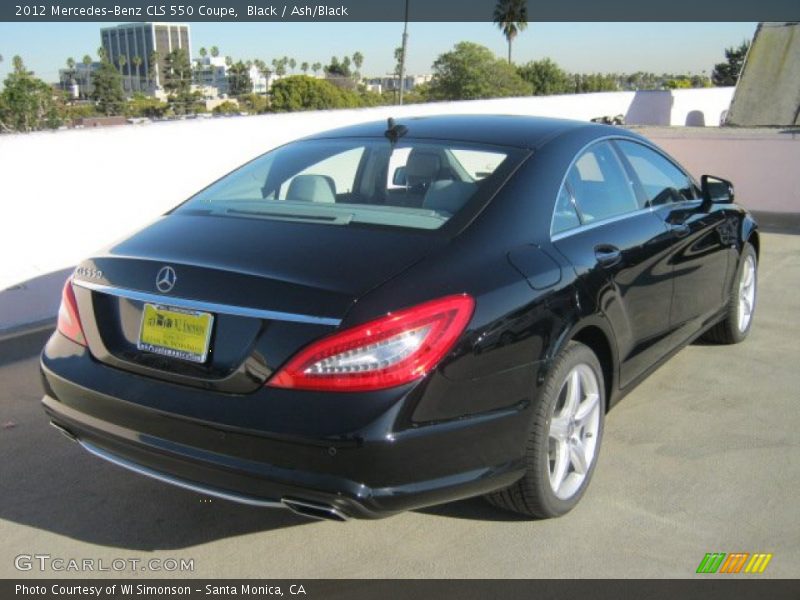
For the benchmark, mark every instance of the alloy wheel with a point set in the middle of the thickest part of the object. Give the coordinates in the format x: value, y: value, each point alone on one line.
x: 747, y: 293
x: 573, y: 434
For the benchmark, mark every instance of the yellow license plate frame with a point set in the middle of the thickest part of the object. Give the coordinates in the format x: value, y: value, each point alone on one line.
x: 175, y: 332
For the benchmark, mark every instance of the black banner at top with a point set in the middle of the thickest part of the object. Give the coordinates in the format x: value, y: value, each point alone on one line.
x: 393, y: 10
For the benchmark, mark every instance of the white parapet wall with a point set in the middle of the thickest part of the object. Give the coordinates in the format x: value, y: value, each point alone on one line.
x: 67, y: 193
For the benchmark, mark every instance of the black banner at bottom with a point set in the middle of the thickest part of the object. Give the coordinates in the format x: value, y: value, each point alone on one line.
x: 705, y: 588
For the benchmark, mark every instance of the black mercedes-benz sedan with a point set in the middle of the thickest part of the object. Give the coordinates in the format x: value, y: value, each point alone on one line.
x: 394, y: 315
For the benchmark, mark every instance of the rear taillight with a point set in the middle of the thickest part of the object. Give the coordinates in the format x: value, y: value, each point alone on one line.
x: 390, y: 351
x: 69, y: 323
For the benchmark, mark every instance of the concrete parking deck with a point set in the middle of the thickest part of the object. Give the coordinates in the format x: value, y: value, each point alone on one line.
x: 702, y: 457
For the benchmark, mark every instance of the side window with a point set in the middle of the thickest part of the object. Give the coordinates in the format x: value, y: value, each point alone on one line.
x: 565, y: 217
x: 478, y: 164
x: 662, y: 181
x: 600, y: 185
x: 249, y: 183
x: 397, y: 179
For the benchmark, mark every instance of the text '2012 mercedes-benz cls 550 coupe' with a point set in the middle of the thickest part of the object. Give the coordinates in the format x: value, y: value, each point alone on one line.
x: 394, y: 315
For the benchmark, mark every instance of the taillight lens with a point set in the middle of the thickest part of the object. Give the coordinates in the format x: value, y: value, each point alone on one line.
x: 387, y: 352
x: 69, y: 323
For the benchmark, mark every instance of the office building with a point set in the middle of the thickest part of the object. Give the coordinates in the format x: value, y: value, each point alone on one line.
x: 137, y: 42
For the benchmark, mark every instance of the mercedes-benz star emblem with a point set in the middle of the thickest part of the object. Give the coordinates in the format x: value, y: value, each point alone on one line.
x: 165, y: 280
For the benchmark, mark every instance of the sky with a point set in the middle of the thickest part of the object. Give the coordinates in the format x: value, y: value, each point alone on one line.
x: 576, y: 47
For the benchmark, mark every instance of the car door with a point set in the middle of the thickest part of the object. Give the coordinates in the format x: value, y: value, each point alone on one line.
x: 703, y: 251
x: 619, y: 250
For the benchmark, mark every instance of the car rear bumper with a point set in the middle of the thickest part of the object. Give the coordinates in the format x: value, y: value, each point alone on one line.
x: 260, y: 484
x: 376, y: 474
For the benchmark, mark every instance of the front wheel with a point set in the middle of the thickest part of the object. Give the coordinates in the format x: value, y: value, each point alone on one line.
x: 741, y: 304
x: 564, y: 439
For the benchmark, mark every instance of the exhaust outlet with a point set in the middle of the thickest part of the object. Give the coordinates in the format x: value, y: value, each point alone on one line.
x: 65, y: 432
x: 315, y: 510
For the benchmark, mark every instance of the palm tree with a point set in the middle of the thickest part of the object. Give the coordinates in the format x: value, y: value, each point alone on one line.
x: 228, y: 61
x: 265, y: 73
x: 155, y: 57
x: 304, y: 68
x: 292, y: 64
x: 316, y: 67
x: 203, y: 52
x: 401, y: 63
x: 511, y: 16
x: 214, y: 51
x: 137, y: 63
x: 280, y: 66
x: 121, y: 60
x: 358, y: 60
x: 71, y: 72
x: 87, y: 62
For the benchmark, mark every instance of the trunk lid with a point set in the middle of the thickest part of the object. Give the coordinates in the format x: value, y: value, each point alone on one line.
x: 270, y: 287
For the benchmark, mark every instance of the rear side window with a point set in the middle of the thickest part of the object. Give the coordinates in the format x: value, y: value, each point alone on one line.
x: 565, y: 216
x: 419, y: 184
x: 600, y: 185
x: 662, y: 181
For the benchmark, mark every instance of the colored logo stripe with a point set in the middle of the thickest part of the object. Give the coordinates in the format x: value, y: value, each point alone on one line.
x: 711, y: 562
x: 734, y: 562
x: 758, y: 563
x: 720, y: 562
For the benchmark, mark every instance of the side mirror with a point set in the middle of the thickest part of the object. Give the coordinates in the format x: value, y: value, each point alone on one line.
x: 399, y: 177
x: 716, y: 190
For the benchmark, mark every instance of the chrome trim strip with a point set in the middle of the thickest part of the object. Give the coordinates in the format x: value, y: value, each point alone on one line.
x: 650, y: 209
x: 213, y: 307
x: 208, y: 491
x: 591, y: 225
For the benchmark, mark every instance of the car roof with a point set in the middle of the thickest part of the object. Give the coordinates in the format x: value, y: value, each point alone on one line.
x: 501, y: 130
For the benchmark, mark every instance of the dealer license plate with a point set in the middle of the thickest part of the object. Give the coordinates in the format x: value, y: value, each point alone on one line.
x: 174, y: 332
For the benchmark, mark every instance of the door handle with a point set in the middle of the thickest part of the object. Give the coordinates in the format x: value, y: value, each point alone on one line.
x: 607, y: 255
x: 679, y: 229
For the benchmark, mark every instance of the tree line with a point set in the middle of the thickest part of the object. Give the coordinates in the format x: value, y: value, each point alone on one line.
x: 469, y: 71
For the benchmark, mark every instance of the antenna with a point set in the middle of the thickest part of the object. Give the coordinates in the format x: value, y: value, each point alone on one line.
x: 394, y: 130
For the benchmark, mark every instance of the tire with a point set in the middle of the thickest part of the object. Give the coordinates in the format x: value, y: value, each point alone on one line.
x: 562, y: 430
x: 741, y: 307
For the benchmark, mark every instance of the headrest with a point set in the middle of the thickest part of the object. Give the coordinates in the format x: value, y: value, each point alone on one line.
x: 422, y: 165
x: 448, y: 196
x: 312, y: 188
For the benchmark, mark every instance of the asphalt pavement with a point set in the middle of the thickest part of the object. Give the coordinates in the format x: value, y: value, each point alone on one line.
x: 702, y: 457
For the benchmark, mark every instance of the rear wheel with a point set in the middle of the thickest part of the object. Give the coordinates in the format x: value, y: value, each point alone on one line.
x: 564, y: 439
x: 741, y: 304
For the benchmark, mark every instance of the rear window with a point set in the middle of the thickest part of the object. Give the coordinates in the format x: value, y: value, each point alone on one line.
x: 419, y: 184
